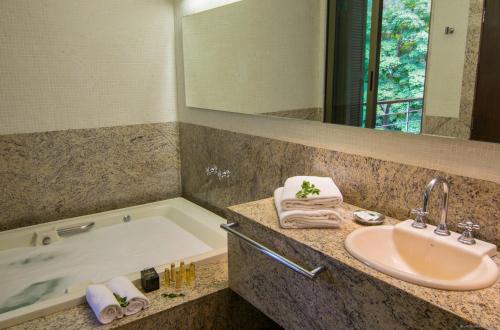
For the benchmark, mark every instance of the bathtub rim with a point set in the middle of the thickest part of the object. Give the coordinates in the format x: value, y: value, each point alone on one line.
x: 21, y: 233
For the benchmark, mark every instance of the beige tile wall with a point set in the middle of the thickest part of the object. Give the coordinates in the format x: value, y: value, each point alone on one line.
x: 85, y: 64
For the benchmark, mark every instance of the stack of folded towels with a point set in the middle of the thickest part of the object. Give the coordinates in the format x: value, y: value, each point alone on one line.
x: 309, y: 208
x: 106, y: 306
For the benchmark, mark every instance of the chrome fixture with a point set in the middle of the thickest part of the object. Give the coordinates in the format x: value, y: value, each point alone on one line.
x: 127, y: 218
x: 421, y: 214
x: 225, y: 174
x: 213, y: 170
x: 449, y: 30
x: 467, y: 236
x: 290, y: 264
x: 65, y: 231
x: 420, y: 218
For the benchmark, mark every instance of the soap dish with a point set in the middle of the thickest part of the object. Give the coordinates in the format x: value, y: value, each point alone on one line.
x: 368, y: 218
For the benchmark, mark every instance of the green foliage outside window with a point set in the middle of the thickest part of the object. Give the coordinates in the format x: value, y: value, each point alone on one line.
x: 403, y: 53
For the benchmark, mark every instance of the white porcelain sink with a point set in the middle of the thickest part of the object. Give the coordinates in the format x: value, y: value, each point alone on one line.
x: 420, y: 256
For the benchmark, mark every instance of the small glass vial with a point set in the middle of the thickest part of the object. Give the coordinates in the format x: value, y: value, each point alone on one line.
x: 172, y: 272
x: 178, y: 279
x: 188, y: 276
x: 182, y: 269
x: 192, y: 274
x: 166, y: 277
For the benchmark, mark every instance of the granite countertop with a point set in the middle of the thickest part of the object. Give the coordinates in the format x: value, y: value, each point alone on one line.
x: 210, y: 278
x: 480, y: 307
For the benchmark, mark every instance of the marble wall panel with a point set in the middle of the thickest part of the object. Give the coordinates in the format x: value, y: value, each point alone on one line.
x: 60, y: 174
x: 259, y: 165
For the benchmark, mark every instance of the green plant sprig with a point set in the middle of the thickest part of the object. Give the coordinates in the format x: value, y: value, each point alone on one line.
x: 307, y: 189
x: 121, y: 300
x: 172, y: 295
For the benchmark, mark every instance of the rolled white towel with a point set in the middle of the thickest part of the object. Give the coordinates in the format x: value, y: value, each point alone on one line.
x: 331, y: 218
x: 329, y: 195
x: 103, y: 303
x: 123, y: 287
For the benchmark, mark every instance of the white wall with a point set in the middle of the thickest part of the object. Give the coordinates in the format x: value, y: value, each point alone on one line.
x: 255, y: 56
x: 469, y: 158
x: 85, y: 63
x: 446, y: 57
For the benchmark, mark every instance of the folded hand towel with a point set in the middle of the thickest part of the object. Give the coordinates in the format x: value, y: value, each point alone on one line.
x: 330, y: 218
x: 103, y: 303
x: 123, y: 287
x: 329, y: 195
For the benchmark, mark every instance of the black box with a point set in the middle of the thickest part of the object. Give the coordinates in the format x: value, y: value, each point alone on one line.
x: 150, y: 281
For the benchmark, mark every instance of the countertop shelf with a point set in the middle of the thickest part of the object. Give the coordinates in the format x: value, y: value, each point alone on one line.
x: 481, y: 307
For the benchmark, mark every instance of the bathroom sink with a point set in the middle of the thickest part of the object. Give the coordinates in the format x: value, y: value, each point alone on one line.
x: 421, y: 257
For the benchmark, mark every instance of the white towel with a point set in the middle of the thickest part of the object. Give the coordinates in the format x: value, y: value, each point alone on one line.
x: 104, y: 305
x: 123, y: 287
x: 330, y: 218
x: 329, y: 195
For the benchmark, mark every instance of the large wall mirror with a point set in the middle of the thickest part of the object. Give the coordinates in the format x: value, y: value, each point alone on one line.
x: 413, y: 66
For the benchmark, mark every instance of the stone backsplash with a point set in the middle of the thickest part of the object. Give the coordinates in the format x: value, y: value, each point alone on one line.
x: 259, y: 165
x: 60, y: 174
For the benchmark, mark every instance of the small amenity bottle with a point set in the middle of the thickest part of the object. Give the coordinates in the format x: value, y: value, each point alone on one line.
x: 166, y: 277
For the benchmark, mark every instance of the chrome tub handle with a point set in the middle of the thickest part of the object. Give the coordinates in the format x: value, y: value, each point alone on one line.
x: 290, y: 264
x: 75, y: 229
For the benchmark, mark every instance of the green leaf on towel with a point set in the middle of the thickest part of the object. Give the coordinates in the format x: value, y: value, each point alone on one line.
x: 307, y: 189
x: 121, y: 300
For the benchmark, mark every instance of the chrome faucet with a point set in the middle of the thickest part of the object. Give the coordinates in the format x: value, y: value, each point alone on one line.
x: 420, y: 220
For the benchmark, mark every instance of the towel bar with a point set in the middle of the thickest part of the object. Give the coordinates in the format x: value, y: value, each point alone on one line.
x: 290, y: 264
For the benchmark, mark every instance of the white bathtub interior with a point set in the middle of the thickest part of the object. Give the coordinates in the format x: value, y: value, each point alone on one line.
x: 33, y: 278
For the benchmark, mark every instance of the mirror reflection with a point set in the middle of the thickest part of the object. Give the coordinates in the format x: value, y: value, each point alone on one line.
x: 257, y: 57
x: 400, y: 65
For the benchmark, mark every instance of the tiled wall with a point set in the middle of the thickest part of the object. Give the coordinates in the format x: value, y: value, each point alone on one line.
x: 85, y: 64
x: 259, y: 165
x: 55, y: 175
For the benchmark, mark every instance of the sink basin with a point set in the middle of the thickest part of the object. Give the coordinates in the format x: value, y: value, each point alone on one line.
x: 421, y: 257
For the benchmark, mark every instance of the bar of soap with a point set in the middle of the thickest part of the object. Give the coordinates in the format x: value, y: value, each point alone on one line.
x: 368, y: 217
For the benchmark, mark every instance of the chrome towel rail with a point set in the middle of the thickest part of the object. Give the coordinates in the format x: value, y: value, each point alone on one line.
x: 290, y: 264
x: 75, y: 229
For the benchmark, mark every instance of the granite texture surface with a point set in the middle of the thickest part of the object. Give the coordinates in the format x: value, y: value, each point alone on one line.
x: 305, y: 114
x: 461, y: 127
x: 446, y: 126
x: 221, y: 310
x: 210, y: 305
x: 349, y: 294
x: 55, y: 175
x: 259, y: 165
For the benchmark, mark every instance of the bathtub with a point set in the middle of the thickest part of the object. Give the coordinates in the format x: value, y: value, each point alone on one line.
x: 46, y: 268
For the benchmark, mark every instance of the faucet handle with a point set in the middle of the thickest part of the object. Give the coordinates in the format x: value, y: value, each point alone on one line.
x: 467, y: 236
x: 211, y: 170
x: 224, y: 174
x: 420, y: 218
x: 468, y: 225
